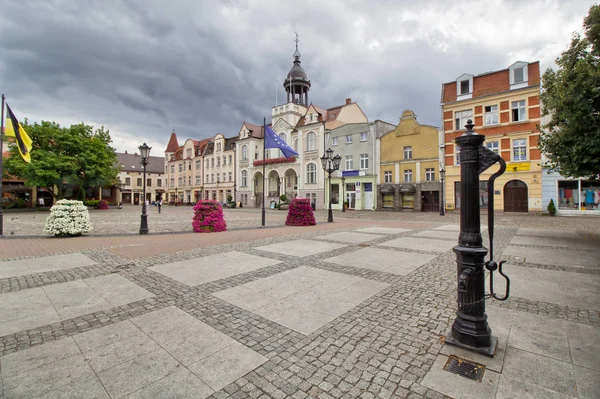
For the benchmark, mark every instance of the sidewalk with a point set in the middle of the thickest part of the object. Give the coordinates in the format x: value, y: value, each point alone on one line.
x: 355, y: 308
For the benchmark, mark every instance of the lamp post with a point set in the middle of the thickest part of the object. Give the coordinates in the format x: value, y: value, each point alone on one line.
x: 442, y: 192
x: 330, y: 164
x: 144, y: 153
x: 343, y: 193
x: 176, y: 197
x: 234, y: 196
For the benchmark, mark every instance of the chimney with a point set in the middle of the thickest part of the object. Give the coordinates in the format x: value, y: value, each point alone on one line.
x: 125, y: 151
x: 348, y: 100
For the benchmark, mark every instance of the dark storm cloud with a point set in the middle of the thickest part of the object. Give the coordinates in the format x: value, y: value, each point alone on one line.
x: 142, y: 68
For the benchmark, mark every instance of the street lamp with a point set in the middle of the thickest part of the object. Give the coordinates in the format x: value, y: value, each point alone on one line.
x: 176, y: 197
x: 330, y: 164
x: 442, y: 174
x: 144, y: 153
x: 343, y: 193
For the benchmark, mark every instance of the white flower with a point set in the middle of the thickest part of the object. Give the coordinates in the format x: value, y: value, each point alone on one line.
x: 68, y: 218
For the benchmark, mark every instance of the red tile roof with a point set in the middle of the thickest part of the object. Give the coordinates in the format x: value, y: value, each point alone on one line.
x: 173, y: 143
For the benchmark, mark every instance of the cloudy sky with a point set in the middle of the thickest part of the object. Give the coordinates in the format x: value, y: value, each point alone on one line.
x: 145, y: 67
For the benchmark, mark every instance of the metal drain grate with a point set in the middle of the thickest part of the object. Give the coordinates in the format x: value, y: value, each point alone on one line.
x: 465, y: 368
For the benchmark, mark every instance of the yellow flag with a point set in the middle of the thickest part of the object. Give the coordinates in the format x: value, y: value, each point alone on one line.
x: 14, y: 129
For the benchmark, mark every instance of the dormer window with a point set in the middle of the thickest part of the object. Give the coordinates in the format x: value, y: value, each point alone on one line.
x: 518, y: 75
x: 464, y: 87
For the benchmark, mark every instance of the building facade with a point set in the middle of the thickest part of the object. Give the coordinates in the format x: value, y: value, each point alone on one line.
x: 304, y: 127
x: 355, y: 183
x: 131, y: 178
x: 409, y: 177
x: 505, y: 107
x: 219, y: 168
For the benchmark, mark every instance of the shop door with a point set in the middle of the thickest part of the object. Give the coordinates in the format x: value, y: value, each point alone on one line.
x: 430, y: 201
x: 351, y: 198
x: 515, y: 197
x: 368, y: 196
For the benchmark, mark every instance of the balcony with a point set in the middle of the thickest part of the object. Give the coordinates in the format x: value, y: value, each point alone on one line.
x: 270, y: 161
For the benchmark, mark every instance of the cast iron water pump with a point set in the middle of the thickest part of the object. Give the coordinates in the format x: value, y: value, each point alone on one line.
x: 470, y: 329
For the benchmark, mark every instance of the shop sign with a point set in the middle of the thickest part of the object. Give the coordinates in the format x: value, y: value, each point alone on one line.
x: 518, y: 166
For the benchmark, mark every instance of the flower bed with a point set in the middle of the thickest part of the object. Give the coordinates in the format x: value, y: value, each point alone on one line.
x: 300, y: 213
x: 274, y: 160
x: 68, y: 219
x: 103, y: 204
x: 208, y: 217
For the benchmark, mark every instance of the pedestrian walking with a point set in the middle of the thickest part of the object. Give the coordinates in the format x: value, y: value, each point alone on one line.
x: 159, y: 205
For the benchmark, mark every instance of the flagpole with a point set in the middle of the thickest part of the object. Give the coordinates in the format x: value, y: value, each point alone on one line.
x: 264, y: 164
x: 1, y: 159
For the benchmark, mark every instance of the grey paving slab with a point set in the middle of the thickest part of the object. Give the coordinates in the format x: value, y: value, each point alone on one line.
x: 558, y: 242
x: 301, y: 248
x: 541, y: 335
x: 584, y: 342
x: 213, y: 267
x: 23, y: 267
x: 136, y: 373
x: 395, y: 262
x: 186, y: 338
x: 84, y: 388
x: 382, y: 230
x: 350, y: 237
x: 78, y: 297
x: 500, y: 321
x: 38, y: 356
x: 588, y: 383
x: 37, y: 382
x: 525, y: 231
x: 303, y: 299
x: 180, y: 384
x: 456, y: 386
x: 552, y: 286
x: 423, y: 244
x: 22, y: 310
x: 511, y: 388
x: 555, y: 257
x: 227, y: 365
x: 543, y: 371
x: 446, y: 235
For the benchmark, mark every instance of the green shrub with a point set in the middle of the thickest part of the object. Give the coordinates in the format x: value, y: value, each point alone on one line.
x: 283, y: 198
x: 91, y: 203
x: 81, y: 195
x: 551, y: 207
x: 229, y: 199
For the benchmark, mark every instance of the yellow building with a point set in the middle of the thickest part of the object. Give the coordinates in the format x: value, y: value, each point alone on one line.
x: 409, y: 167
x: 505, y: 107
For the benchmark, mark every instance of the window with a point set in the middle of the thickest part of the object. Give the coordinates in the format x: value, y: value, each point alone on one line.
x: 349, y: 139
x: 429, y: 174
x: 206, y: 180
x: 244, y: 178
x: 364, y: 161
x: 158, y: 183
x: 229, y: 176
x: 230, y: 159
x: 493, y: 145
x: 464, y: 87
x: 363, y: 136
x: 189, y: 152
x: 197, y: 165
x: 387, y: 176
x: 457, y: 151
x: 198, y: 179
x: 334, y: 141
x: 520, y: 150
x: 311, y: 141
x: 491, y: 115
x: 296, y: 144
x: 172, y: 168
x: 207, y: 165
x: 212, y: 162
x: 212, y: 177
x: 189, y: 180
x: 311, y: 173
x: 218, y: 146
x: 128, y: 181
x: 244, y: 153
x: 148, y: 182
x: 190, y: 165
x: 139, y: 182
x: 518, y: 111
x: 172, y: 182
x: 218, y: 162
x: 349, y: 162
x: 519, y: 75
x: 408, y: 175
x: 462, y: 117
x: 179, y: 183
x: 408, y: 152
x: 181, y: 167
x: 223, y: 177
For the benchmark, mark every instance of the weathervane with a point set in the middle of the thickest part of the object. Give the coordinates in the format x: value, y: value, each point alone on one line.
x: 297, y: 40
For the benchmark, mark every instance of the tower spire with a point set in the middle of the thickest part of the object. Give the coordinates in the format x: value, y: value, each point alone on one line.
x: 297, y: 53
x: 296, y: 83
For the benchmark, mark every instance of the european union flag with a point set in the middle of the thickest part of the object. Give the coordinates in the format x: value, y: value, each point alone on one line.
x: 272, y: 140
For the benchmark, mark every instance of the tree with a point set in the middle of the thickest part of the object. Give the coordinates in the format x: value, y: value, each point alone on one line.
x: 62, y: 157
x: 571, y: 101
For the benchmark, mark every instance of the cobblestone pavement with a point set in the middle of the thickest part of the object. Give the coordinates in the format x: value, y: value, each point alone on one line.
x: 382, y: 347
x: 178, y: 219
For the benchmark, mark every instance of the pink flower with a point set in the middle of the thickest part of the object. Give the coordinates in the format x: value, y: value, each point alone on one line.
x: 300, y: 213
x: 208, y: 217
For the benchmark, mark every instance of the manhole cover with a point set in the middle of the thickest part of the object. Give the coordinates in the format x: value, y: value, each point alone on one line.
x: 465, y: 368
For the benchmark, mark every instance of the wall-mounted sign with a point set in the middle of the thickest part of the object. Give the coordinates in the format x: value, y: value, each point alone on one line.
x: 517, y: 166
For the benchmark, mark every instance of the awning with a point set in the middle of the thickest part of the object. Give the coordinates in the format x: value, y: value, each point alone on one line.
x: 408, y: 188
x: 387, y: 188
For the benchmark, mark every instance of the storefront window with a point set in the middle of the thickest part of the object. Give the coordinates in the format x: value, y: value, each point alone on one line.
x: 408, y: 201
x: 335, y: 193
x: 578, y: 195
x: 388, y: 201
x: 483, y: 193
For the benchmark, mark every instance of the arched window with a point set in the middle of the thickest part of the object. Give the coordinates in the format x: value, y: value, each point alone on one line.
x: 244, y: 178
x: 296, y: 144
x: 244, y: 153
x: 311, y: 173
x: 311, y: 141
